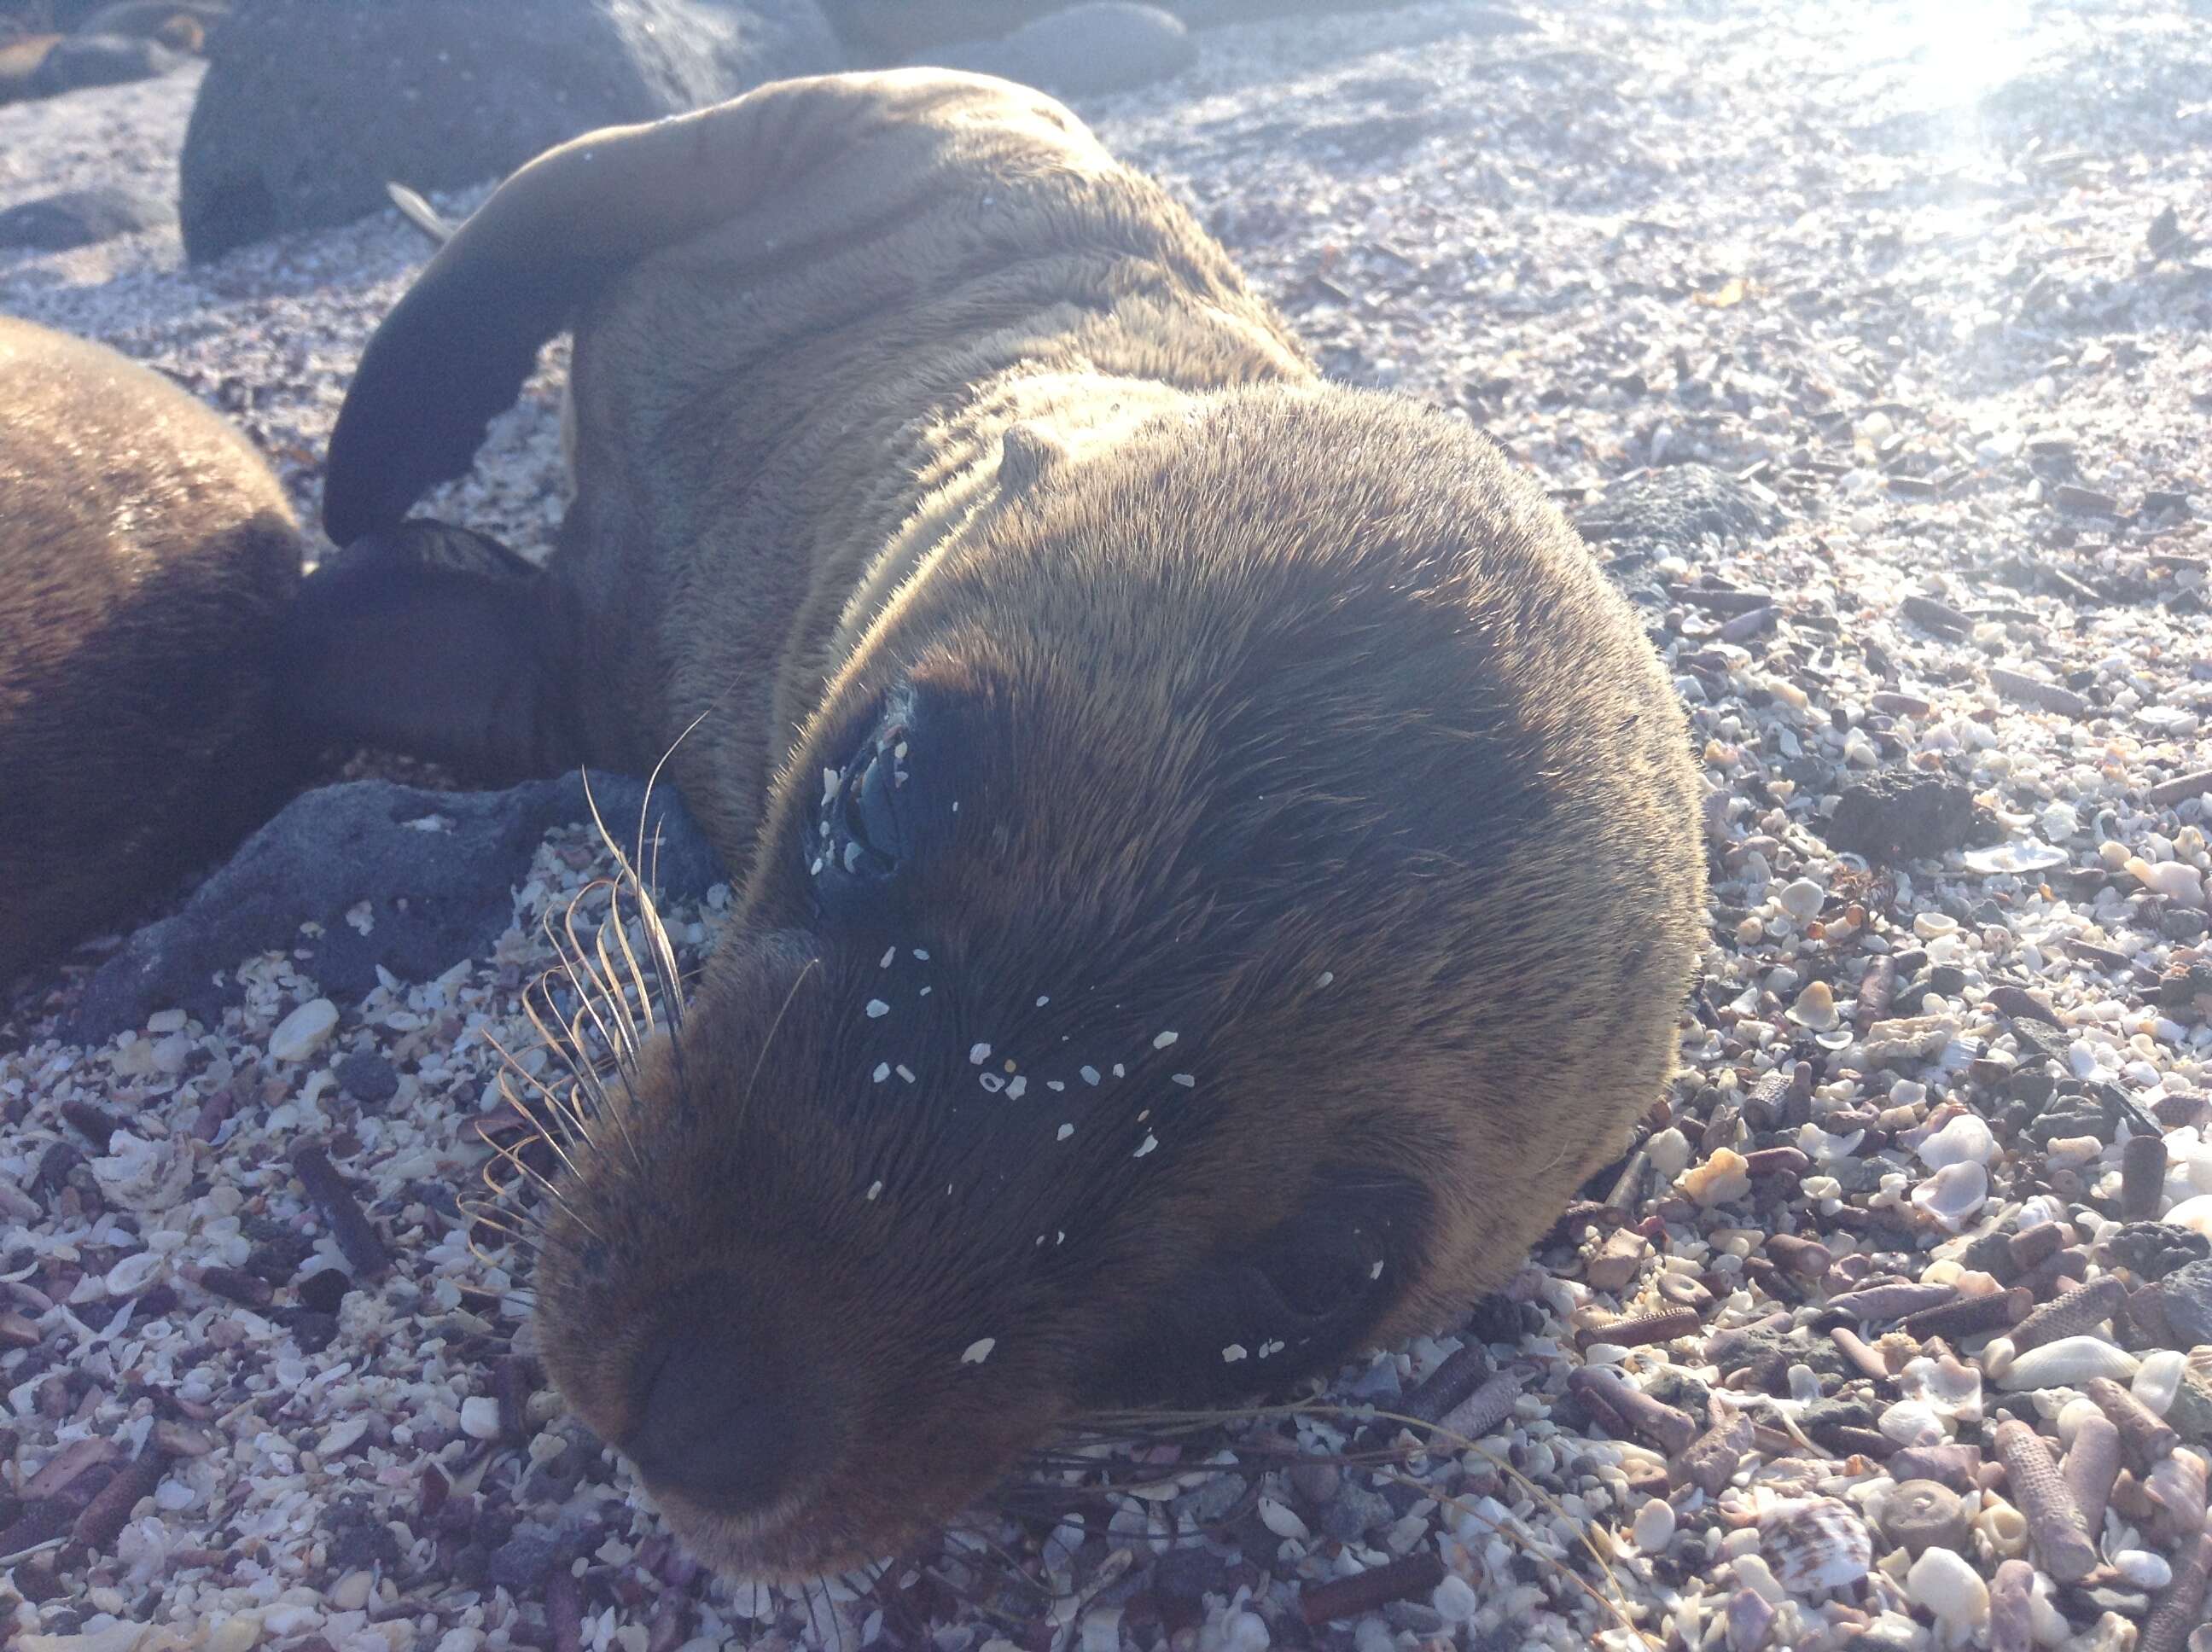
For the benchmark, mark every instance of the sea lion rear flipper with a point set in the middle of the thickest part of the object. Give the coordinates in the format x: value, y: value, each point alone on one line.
x: 427, y: 640
x: 457, y: 348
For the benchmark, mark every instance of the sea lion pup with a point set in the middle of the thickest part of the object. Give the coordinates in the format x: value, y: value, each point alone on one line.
x: 145, y: 550
x: 1218, y: 862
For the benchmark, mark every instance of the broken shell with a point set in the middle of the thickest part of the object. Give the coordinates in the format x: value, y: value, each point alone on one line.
x: 2143, y: 1568
x: 1815, y: 1008
x: 1953, y: 1194
x: 1724, y: 1176
x: 1815, y: 1545
x: 1965, y: 1139
x: 1947, y: 1586
x: 1947, y: 1385
x: 2067, y: 1363
x: 2004, y: 1526
x: 1655, y: 1526
x: 2158, y: 1383
x: 1913, y: 1422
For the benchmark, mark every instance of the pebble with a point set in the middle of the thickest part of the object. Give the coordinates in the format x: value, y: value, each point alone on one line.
x: 2143, y: 1568
x: 304, y: 1031
x: 2069, y: 1363
x: 1455, y: 1599
x: 480, y: 1418
x: 1949, y: 1587
x: 1724, y: 1176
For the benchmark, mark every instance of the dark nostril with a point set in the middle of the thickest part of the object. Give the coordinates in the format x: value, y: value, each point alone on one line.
x: 716, y: 1426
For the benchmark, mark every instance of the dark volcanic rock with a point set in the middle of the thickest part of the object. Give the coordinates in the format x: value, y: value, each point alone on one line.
x: 80, y: 217
x: 2185, y: 1295
x: 436, y: 895
x: 308, y: 110
x: 101, y: 60
x: 1107, y: 46
x: 1665, y: 510
x: 1898, y: 814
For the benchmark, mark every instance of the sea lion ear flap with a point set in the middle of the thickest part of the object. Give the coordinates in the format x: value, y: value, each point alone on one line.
x: 456, y: 350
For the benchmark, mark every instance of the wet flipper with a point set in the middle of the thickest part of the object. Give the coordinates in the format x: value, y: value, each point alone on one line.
x: 431, y: 640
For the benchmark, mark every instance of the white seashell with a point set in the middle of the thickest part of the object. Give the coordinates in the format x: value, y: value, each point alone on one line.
x: 1282, y: 1520
x: 480, y: 1418
x: 2157, y: 1384
x: 2071, y: 1152
x: 2143, y: 1568
x: 1669, y: 1152
x: 1946, y: 1386
x: 1953, y: 1194
x: 1965, y: 1139
x: 1455, y: 1601
x: 143, y: 1175
x: 1911, y: 1038
x: 1816, y: 1007
x: 2004, y: 1526
x: 1946, y: 1585
x: 303, y: 1032
x: 1725, y: 1175
x: 2177, y: 880
x: 1913, y: 1422
x: 1655, y: 1526
x: 2067, y: 1363
x: 2020, y: 855
x: 339, y: 1436
x: 1818, y: 1544
x: 133, y: 1273
x: 1755, y: 1574
x: 1802, y: 899
x: 2194, y: 1213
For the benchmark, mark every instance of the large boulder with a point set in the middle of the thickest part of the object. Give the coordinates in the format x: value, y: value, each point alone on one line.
x: 434, y: 871
x: 309, y: 109
x: 1105, y: 46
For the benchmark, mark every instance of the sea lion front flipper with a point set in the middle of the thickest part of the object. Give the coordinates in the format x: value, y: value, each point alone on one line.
x: 429, y: 640
x: 457, y: 348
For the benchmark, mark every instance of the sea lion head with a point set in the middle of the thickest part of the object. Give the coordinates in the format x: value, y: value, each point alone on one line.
x: 1152, y: 947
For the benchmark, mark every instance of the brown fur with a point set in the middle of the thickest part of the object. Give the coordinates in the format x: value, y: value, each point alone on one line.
x: 1279, y: 716
x: 144, y: 551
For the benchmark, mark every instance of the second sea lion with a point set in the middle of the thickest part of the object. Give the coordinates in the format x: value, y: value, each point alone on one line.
x: 1220, y: 864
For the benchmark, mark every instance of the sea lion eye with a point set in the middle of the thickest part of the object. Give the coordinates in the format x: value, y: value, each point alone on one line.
x: 869, y: 814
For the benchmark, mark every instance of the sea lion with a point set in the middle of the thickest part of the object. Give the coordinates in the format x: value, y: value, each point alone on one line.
x: 145, y: 551
x: 1218, y: 863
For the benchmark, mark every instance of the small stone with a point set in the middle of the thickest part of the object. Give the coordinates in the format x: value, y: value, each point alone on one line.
x: 368, y: 1078
x: 1802, y: 899
x: 480, y: 1417
x: 2143, y: 1568
x: 83, y: 217
x: 1816, y: 1007
x: 350, y: 1593
x: 525, y: 1561
x: 304, y: 1031
x: 324, y: 1290
x: 1655, y: 1526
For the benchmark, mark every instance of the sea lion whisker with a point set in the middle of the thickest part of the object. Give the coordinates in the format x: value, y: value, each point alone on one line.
x: 571, y: 1121
x: 630, y: 956
x: 775, y: 1026
x: 576, y: 1114
x: 576, y: 959
x: 657, y: 933
x: 626, y: 1019
x: 545, y: 1184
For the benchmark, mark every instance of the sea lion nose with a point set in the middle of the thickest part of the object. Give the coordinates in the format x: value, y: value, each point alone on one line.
x: 715, y: 1426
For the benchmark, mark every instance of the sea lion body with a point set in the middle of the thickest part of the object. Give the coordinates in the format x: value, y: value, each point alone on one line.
x: 1218, y: 862
x: 145, y: 551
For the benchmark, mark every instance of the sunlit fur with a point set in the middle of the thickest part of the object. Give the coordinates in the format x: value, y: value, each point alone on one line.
x: 1284, y: 718
x: 145, y: 549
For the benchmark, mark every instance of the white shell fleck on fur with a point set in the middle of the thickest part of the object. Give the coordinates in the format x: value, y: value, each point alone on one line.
x: 877, y: 1009
x: 1815, y: 1545
x: 1163, y: 1040
x: 882, y: 1070
x: 1151, y: 1142
x: 978, y: 1053
x: 1947, y: 1586
x: 904, y: 1072
x: 979, y: 1351
x: 1953, y: 1194
x: 1066, y: 1131
x: 1090, y: 1074
x: 1232, y: 1353
x: 2067, y: 1363
x: 875, y: 1192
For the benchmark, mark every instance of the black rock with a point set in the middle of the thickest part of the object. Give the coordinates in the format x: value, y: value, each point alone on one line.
x: 314, y: 1332
x: 525, y: 1561
x: 359, y: 1536
x: 80, y: 217
x: 1107, y: 46
x: 368, y: 1078
x: 1900, y: 814
x: 307, y: 111
x: 101, y: 60
x: 435, y: 896
x: 324, y: 1289
x: 2185, y: 1295
x: 1666, y: 509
